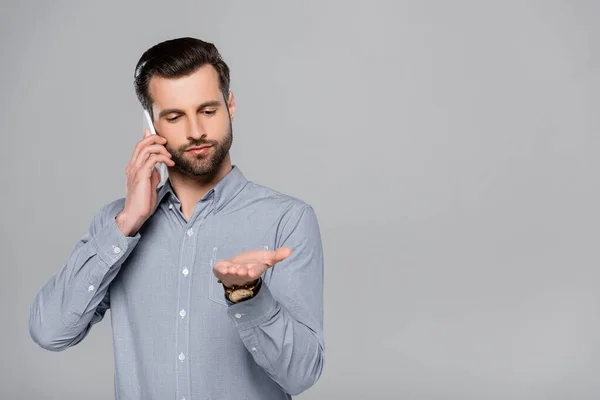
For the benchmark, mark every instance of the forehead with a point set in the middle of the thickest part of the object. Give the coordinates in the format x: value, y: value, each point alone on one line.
x: 188, y: 91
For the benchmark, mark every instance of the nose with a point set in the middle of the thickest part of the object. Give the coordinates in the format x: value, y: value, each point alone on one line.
x: 196, y: 129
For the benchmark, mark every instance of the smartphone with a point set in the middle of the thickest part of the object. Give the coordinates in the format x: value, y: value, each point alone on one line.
x: 161, y: 167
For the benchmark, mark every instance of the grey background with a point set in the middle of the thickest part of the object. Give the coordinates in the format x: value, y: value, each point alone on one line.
x: 449, y: 149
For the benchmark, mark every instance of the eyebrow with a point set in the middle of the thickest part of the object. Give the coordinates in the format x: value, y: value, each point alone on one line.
x: 211, y: 103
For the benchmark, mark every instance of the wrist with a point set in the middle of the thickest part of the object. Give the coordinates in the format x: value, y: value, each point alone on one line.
x: 124, y: 225
x: 240, y: 293
x: 227, y: 285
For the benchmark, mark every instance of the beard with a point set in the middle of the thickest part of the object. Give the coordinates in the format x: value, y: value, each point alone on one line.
x: 202, y: 165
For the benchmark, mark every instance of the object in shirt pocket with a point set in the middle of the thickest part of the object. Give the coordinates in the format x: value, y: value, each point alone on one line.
x: 215, y: 289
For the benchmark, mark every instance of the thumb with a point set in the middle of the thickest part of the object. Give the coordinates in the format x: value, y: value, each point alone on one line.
x: 281, y: 254
x: 155, y: 179
x: 146, y: 133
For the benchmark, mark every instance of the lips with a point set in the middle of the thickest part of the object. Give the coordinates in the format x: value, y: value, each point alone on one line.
x: 204, y: 146
x: 199, y: 149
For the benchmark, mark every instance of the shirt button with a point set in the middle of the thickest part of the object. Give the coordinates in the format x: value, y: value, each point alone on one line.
x: 90, y: 288
x: 253, y: 349
x: 185, y: 271
x: 182, y: 313
x: 238, y: 316
x: 170, y: 206
x: 181, y: 357
x: 117, y: 250
x: 190, y: 232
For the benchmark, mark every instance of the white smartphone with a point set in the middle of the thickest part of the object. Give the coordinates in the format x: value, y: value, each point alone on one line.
x: 161, y: 167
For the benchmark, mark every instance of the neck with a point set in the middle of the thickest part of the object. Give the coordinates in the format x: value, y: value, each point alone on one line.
x: 190, y: 189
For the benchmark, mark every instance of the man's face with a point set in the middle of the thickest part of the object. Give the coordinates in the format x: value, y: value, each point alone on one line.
x: 191, y: 113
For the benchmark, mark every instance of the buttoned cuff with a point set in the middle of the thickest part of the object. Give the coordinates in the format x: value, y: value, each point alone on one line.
x: 112, y: 245
x: 250, y: 313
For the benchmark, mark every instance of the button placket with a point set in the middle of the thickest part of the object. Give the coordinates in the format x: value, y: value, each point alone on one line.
x: 182, y: 324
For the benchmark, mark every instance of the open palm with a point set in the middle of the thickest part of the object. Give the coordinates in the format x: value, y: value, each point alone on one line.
x: 248, y: 266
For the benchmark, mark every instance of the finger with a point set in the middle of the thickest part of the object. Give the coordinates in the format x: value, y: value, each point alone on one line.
x: 282, y: 253
x: 155, y: 178
x: 242, y: 270
x: 155, y: 159
x: 252, y: 271
x: 148, y: 140
x: 152, y: 149
x: 233, y: 269
x: 221, y: 267
x: 277, y: 256
x: 256, y: 270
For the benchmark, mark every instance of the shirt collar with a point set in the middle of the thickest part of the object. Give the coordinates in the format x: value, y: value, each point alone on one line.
x: 224, y: 191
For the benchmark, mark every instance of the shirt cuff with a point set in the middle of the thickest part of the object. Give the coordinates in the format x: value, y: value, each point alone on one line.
x: 250, y: 313
x: 112, y: 245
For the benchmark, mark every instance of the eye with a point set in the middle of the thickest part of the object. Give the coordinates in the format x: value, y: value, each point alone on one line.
x: 173, y: 119
x: 209, y: 112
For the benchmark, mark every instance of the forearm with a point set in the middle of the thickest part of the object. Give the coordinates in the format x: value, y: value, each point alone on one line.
x: 290, y: 348
x: 75, y: 298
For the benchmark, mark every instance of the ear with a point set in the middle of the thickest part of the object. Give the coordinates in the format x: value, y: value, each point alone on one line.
x: 231, y: 104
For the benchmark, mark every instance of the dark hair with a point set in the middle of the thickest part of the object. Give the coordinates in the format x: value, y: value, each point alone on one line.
x: 177, y: 58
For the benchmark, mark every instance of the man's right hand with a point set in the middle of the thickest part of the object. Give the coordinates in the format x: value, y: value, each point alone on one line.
x: 142, y: 180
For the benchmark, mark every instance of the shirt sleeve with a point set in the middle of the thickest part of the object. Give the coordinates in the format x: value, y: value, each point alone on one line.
x: 282, y: 326
x: 77, y: 297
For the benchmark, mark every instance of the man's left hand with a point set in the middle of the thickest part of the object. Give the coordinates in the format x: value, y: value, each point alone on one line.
x: 248, y: 266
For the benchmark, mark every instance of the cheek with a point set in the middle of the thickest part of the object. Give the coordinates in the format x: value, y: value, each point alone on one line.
x: 171, y: 149
x: 174, y: 135
x: 218, y: 125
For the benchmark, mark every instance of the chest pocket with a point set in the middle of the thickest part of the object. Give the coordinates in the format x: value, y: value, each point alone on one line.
x: 215, y: 289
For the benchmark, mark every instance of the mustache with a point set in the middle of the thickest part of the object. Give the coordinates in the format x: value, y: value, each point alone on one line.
x: 198, y: 142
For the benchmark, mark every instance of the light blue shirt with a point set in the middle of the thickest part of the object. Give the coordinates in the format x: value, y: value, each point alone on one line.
x: 175, y: 335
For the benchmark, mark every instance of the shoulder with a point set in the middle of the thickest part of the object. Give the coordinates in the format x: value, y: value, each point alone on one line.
x: 275, y: 199
x: 288, y: 209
